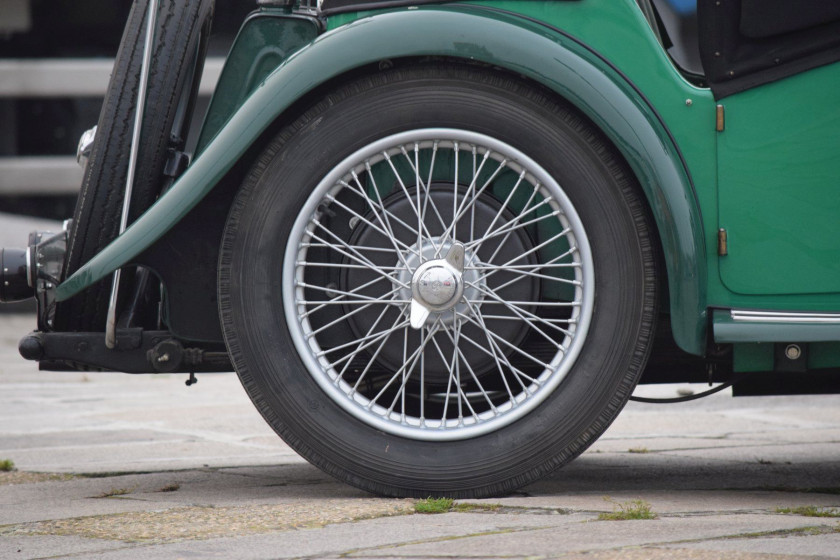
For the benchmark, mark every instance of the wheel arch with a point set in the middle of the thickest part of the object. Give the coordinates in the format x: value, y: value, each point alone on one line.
x: 540, y: 54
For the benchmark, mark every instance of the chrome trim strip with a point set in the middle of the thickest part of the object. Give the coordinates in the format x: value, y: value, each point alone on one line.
x: 792, y: 317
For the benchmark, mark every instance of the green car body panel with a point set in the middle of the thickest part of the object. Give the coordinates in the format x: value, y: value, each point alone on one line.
x: 601, y: 55
x: 262, y: 44
x: 780, y: 186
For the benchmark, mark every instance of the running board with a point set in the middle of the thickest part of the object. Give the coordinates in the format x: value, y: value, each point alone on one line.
x: 739, y: 325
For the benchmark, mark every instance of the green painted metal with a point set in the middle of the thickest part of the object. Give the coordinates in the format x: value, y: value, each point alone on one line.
x: 752, y: 356
x: 779, y: 186
x: 530, y: 49
x: 266, y: 39
x: 760, y: 356
x: 822, y: 355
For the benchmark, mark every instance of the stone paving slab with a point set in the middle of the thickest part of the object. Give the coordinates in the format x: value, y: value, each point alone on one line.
x: 593, y: 535
x: 814, y: 546
x: 51, y: 546
x: 686, y: 502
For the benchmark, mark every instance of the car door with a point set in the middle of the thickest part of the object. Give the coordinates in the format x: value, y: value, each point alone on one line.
x: 773, y: 66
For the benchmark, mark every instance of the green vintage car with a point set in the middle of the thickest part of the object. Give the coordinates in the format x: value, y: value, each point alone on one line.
x: 442, y: 242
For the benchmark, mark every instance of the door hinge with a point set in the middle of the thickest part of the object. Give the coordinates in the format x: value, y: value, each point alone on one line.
x: 723, y: 245
x: 720, y: 120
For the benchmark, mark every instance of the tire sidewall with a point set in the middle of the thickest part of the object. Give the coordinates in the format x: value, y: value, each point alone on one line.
x: 265, y: 356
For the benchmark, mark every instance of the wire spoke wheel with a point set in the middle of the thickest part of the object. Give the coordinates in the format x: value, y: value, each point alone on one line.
x: 423, y: 300
x: 400, y: 338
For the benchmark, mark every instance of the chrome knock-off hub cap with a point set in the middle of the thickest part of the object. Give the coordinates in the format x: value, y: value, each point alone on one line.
x: 437, y: 285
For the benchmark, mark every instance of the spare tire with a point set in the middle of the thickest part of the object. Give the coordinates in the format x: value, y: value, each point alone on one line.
x: 177, y: 59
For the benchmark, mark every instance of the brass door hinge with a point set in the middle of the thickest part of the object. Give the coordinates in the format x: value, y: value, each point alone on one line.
x: 720, y: 119
x: 723, y: 245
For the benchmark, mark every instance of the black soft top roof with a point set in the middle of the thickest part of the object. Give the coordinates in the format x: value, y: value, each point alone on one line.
x: 746, y: 43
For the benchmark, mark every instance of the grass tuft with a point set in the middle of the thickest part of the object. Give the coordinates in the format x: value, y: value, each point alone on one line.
x: 810, y: 511
x: 634, y: 509
x: 174, y: 487
x: 434, y: 505
x: 638, y: 450
x: 470, y: 508
x: 7, y: 465
x: 117, y: 492
x: 445, y: 505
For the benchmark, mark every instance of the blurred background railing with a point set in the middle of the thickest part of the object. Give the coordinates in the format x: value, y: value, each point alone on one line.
x: 55, y: 63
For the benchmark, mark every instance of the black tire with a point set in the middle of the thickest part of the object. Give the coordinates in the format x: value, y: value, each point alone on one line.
x: 318, y: 425
x: 176, y: 64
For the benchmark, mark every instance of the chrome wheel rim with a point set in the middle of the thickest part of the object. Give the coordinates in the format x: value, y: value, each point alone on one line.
x: 380, y: 236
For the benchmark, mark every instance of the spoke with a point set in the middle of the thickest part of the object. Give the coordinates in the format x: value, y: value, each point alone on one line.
x: 417, y: 181
x: 533, y: 268
x: 428, y: 199
x: 470, y: 200
x: 510, y: 366
x: 520, y: 303
x: 505, y: 205
x: 372, y: 359
x: 358, y: 257
x: 406, y: 193
x: 400, y: 302
x: 405, y: 356
x: 391, y: 216
x: 339, y: 298
x: 511, y: 227
x: 342, y: 318
x: 521, y: 314
x: 508, y: 228
x: 400, y: 396
x: 508, y: 233
x: 497, y: 351
x: 530, y: 251
x: 349, y: 357
x: 387, y: 230
x: 386, y: 223
x: 344, y: 265
x: 374, y: 337
x: 422, y: 378
x: 453, y: 224
x: 373, y: 226
x: 457, y: 369
x: 549, y: 322
x: 537, y: 266
x: 377, y: 299
x: 373, y: 340
x: 408, y: 366
x: 525, y: 274
x: 470, y: 369
x: 357, y: 247
x: 513, y: 347
x: 462, y: 397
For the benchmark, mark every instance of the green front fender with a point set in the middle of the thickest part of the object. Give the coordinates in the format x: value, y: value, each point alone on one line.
x: 473, y: 33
